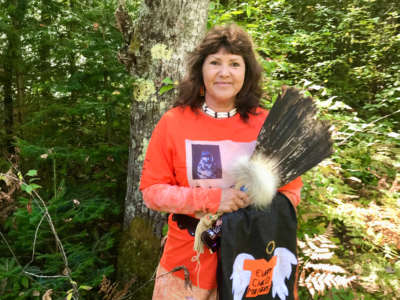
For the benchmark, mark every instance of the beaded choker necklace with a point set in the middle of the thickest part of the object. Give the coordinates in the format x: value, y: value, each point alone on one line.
x: 218, y: 115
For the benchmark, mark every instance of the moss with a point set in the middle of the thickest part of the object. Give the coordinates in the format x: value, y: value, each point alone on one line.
x: 134, y: 46
x: 138, y: 257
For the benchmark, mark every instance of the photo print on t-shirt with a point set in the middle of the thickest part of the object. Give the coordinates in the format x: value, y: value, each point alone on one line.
x: 206, y: 162
x: 209, y: 163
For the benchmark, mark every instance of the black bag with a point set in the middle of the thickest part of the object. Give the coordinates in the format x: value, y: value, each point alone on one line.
x: 258, y: 252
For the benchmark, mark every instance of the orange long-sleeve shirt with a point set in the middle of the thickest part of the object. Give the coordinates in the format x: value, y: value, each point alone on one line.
x: 186, y: 167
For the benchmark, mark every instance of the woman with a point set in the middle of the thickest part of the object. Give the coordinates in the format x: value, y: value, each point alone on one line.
x: 215, y: 119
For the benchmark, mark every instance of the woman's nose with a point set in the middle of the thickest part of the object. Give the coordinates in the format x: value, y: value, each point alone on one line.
x: 224, y: 71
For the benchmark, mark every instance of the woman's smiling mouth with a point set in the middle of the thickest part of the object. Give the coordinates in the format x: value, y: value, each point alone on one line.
x: 223, y: 83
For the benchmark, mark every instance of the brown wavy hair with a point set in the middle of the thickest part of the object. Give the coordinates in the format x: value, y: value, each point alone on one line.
x: 235, y: 41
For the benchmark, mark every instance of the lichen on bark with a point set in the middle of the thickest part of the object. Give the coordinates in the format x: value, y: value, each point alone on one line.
x: 144, y: 90
x: 160, y: 51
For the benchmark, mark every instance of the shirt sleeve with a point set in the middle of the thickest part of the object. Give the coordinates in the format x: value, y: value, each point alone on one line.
x: 292, y: 191
x: 183, y: 200
x: 158, y: 183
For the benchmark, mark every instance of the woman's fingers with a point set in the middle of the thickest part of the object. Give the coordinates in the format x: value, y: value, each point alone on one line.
x: 232, y: 200
x: 241, y: 199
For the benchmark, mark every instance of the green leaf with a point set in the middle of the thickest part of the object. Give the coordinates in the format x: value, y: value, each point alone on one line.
x: 237, y: 12
x: 165, y: 89
x: 248, y: 11
x: 31, y: 173
x: 165, y: 229
x: 24, y: 187
x: 85, y: 287
x: 35, y: 186
x: 225, y: 17
x: 69, y: 296
x: 167, y: 80
x: 25, y: 282
x: 29, y: 187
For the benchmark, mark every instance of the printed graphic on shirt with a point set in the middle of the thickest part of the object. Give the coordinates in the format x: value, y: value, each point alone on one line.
x: 209, y: 163
x: 258, y: 276
x: 206, y: 162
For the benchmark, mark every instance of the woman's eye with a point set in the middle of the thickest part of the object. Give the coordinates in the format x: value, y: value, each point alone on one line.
x: 235, y: 64
x: 213, y: 62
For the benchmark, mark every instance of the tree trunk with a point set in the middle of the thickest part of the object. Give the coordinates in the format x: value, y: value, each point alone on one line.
x: 44, y: 53
x: 12, y: 70
x: 156, y: 46
x: 8, y: 106
x: 20, y: 84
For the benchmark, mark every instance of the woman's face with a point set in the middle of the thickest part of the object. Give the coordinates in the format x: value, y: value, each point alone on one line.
x: 223, y: 75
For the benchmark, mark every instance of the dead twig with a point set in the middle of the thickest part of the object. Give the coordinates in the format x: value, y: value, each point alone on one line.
x: 188, y: 283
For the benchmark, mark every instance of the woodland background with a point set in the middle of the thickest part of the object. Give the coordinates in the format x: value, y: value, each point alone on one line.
x: 65, y: 101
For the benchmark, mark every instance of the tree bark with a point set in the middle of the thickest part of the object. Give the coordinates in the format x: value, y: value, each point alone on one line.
x: 155, y: 48
x: 8, y: 107
x: 12, y: 70
x: 44, y: 53
x: 20, y: 84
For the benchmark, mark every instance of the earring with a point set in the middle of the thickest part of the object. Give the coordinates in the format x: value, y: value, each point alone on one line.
x: 202, y: 91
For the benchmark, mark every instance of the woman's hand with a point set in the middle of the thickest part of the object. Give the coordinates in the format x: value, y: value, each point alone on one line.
x: 232, y: 200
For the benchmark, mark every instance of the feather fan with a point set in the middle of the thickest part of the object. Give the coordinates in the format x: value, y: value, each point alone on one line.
x: 291, y: 141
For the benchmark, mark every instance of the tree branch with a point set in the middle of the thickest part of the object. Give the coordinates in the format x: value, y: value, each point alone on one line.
x: 34, y: 241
